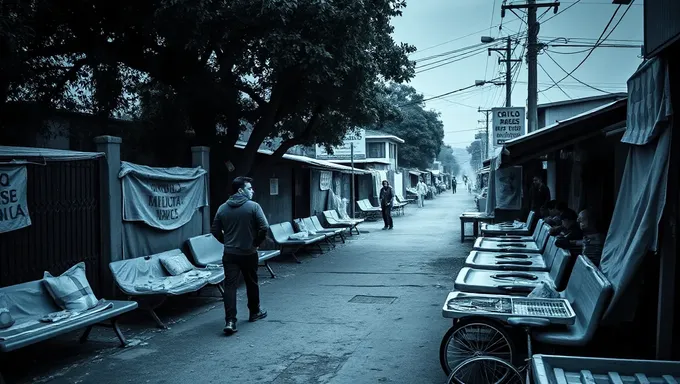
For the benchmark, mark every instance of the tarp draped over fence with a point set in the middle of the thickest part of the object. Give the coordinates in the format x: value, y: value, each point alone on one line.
x: 163, y: 198
x: 178, y: 192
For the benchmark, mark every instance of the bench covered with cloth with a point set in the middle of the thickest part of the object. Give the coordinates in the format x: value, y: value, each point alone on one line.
x: 160, y: 275
x: 39, y: 310
x: 207, y: 251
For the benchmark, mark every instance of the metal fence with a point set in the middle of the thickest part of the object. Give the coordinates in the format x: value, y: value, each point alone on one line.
x: 63, y: 201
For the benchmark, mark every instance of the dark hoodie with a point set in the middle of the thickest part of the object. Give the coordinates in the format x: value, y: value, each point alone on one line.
x: 243, y: 223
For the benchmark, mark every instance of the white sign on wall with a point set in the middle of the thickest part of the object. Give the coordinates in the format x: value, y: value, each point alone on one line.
x: 13, y: 198
x: 344, y: 151
x: 508, y: 124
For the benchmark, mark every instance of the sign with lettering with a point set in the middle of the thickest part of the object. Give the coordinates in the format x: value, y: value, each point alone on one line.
x: 325, y: 179
x: 163, y: 198
x: 344, y: 151
x: 508, y: 124
x: 13, y: 198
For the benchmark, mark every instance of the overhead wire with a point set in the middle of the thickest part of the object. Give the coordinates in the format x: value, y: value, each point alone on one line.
x: 553, y: 80
x: 599, y: 41
x: 570, y: 74
x: 456, y: 39
x: 562, y: 11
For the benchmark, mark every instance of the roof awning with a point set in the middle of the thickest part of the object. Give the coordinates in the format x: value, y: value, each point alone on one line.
x: 593, y: 123
x: 23, y: 155
x: 415, y: 173
x: 484, y: 170
x: 313, y: 163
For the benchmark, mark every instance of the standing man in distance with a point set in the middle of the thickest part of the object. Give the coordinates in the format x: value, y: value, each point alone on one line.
x: 386, y: 200
x: 240, y: 224
x: 540, y: 194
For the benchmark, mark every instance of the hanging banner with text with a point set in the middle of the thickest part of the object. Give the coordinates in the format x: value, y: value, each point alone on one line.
x: 13, y: 199
x: 508, y: 124
x: 163, y: 198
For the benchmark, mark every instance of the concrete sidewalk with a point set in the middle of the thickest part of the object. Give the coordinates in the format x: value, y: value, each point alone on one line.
x: 366, y: 312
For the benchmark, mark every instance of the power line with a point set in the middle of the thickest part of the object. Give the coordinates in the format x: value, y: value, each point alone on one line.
x: 456, y: 39
x: 572, y: 76
x: 562, y: 11
x: 443, y: 94
x: 599, y: 40
x: 553, y: 80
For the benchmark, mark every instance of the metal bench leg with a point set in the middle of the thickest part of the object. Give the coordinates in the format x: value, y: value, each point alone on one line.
x: 462, y: 231
x: 329, y: 243
x: 220, y: 288
x: 269, y: 268
x: 318, y: 245
x: 157, y: 319
x: 116, y: 329
x: 356, y: 229
x: 342, y: 237
x: 86, y: 334
x: 295, y: 258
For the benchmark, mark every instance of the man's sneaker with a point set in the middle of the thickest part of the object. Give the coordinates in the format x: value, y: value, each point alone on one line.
x: 261, y: 314
x: 230, y: 328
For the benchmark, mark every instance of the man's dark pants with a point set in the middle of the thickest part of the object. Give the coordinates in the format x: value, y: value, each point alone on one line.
x: 234, y: 266
x: 454, y: 188
x: 387, y: 216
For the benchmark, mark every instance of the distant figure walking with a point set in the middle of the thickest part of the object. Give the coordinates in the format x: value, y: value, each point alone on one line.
x: 421, y: 189
x: 240, y: 224
x: 454, y: 184
x: 386, y: 203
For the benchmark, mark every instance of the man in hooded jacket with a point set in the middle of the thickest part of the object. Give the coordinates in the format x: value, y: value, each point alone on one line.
x: 386, y: 201
x: 240, y: 224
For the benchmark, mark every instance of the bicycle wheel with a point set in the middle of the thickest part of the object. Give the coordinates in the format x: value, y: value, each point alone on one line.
x: 485, y: 370
x: 471, y: 337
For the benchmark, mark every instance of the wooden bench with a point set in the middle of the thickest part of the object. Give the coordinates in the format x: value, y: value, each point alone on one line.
x: 29, y: 302
x: 475, y: 218
x: 146, y: 279
x: 207, y: 250
x: 281, y: 233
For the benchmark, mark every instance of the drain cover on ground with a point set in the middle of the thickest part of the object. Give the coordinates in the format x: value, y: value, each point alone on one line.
x: 362, y: 299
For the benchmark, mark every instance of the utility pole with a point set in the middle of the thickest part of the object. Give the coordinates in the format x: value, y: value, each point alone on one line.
x: 508, y: 60
x: 532, y: 53
x: 486, y: 112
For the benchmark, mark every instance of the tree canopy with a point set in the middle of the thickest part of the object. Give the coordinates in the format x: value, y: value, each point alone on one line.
x: 405, y: 116
x: 448, y: 160
x: 303, y: 71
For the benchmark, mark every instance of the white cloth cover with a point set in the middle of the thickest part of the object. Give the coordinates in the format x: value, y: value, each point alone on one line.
x: 176, y: 264
x: 634, y: 228
x: 164, y: 198
x: 13, y: 198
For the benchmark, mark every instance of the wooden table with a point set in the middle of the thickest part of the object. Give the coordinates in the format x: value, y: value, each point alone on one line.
x: 475, y: 218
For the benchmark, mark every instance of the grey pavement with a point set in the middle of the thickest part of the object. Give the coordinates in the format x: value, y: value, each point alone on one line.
x: 366, y: 312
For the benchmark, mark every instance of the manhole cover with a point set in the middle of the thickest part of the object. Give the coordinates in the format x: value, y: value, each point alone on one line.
x: 362, y: 299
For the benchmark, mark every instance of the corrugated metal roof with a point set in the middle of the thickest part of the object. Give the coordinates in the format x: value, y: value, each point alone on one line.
x: 313, y: 162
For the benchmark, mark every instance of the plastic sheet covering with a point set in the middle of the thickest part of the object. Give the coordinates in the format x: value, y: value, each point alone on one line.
x: 336, y: 202
x: 147, y: 276
x: 635, y: 223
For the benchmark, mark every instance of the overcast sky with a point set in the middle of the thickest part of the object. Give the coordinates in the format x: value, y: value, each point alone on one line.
x: 436, y: 27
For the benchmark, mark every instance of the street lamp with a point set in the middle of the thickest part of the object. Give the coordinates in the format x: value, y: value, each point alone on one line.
x: 487, y: 39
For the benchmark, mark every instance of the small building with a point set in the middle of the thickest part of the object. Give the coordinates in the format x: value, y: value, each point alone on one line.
x: 551, y: 113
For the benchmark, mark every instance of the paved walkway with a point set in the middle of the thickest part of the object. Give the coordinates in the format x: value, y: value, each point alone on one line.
x: 367, y: 312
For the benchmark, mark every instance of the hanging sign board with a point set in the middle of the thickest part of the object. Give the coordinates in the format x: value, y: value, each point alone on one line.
x: 508, y: 124
x: 13, y: 198
x: 344, y: 151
